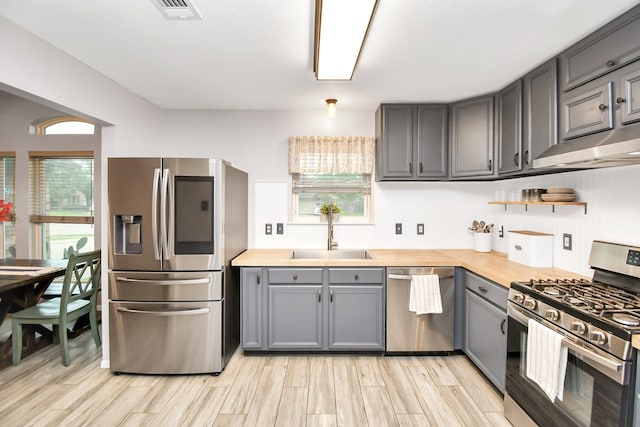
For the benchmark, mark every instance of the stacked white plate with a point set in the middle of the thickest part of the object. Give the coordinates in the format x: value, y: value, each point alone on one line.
x: 559, y: 194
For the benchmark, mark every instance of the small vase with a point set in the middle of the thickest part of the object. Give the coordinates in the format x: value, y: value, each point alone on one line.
x: 482, y: 242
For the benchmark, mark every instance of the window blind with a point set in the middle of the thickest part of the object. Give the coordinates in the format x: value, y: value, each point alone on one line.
x: 62, y: 187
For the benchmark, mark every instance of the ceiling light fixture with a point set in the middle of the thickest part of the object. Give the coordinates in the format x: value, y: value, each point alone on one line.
x: 341, y: 29
x: 331, y: 107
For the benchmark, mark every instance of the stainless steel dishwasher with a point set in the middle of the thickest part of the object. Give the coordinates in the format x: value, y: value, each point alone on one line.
x: 408, y: 332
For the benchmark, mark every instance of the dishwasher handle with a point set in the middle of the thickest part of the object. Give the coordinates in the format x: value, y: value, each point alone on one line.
x: 408, y: 277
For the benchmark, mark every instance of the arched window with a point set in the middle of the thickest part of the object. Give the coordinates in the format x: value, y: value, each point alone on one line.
x: 66, y: 125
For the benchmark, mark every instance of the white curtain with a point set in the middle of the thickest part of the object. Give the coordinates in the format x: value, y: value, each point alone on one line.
x: 331, y: 154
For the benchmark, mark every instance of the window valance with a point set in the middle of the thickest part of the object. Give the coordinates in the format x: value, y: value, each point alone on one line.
x: 331, y: 154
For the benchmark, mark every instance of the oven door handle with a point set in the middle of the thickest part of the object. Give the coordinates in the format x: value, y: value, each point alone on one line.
x: 593, y: 357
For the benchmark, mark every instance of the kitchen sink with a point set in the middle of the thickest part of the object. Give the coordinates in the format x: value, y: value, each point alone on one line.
x: 335, y: 254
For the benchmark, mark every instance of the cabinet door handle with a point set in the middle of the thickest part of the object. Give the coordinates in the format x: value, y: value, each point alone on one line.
x: 482, y: 289
x: 331, y: 296
x: 502, y: 326
x: 258, y: 278
x: 319, y: 296
x: 410, y: 167
x: 356, y: 277
x: 611, y: 63
x: 602, y: 107
x: 295, y: 277
x: 421, y: 168
x: 515, y: 159
x: 490, y: 165
x: 620, y: 100
x: 526, y: 157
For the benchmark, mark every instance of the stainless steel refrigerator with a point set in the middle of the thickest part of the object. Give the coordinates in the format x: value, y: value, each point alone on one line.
x: 174, y: 224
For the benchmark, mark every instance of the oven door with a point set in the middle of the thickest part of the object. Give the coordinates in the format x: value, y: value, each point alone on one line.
x: 597, y: 388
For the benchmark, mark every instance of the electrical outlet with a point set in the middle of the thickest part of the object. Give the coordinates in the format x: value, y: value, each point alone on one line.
x: 268, y: 229
x: 420, y: 229
x: 566, y: 241
x: 279, y: 228
x: 398, y: 228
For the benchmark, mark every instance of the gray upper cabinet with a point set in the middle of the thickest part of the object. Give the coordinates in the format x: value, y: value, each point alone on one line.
x: 588, y: 110
x: 509, y: 130
x: 539, y: 111
x: 611, y: 47
x: 628, y: 99
x: 411, y: 142
x: 471, y: 138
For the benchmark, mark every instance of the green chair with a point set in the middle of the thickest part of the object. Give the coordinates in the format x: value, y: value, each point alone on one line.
x: 79, y: 294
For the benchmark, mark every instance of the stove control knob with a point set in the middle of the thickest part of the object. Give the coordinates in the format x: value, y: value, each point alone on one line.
x: 552, y: 314
x: 578, y: 328
x: 518, y: 298
x: 597, y: 337
x: 530, y: 303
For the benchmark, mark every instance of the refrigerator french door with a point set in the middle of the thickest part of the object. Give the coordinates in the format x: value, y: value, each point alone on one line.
x: 165, y: 214
x: 175, y: 225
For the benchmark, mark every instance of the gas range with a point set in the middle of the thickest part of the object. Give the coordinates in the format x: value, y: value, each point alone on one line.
x: 604, y: 311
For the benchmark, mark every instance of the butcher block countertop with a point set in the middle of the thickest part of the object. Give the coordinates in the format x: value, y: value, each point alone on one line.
x: 493, y: 265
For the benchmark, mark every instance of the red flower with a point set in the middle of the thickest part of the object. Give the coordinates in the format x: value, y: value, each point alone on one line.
x: 5, y: 211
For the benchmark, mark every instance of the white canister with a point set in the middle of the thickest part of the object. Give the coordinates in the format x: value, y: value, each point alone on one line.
x: 482, y: 242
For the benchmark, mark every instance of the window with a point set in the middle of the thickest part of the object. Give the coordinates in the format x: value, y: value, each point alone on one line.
x: 62, y: 205
x: 7, y: 187
x: 331, y: 170
x: 67, y: 125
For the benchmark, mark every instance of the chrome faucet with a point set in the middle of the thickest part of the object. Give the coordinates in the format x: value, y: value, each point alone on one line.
x: 331, y: 244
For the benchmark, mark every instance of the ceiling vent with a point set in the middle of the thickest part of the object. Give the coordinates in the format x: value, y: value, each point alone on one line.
x: 177, y: 9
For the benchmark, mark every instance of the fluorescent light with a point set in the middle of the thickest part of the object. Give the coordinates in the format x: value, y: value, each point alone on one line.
x: 341, y: 28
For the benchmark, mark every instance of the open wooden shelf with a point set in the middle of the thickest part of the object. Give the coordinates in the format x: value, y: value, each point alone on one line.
x: 552, y: 204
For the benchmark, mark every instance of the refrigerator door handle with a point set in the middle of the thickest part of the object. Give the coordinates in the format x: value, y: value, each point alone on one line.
x: 154, y: 213
x: 170, y: 203
x: 203, y: 281
x: 205, y: 310
x: 163, y: 214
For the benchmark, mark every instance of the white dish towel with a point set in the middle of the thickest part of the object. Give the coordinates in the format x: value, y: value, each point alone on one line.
x: 546, y: 359
x: 424, y: 296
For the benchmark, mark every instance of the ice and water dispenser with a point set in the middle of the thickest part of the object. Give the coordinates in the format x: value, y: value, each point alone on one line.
x: 128, y: 234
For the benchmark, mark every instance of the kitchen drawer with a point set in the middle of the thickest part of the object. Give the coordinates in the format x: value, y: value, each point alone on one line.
x: 490, y: 291
x: 295, y: 275
x: 356, y: 275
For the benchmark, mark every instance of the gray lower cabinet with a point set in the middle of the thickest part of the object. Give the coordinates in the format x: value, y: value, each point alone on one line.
x: 312, y: 309
x: 472, y: 138
x: 509, y: 131
x: 251, y: 308
x: 411, y: 142
x: 295, y: 316
x: 539, y: 111
x: 485, y: 332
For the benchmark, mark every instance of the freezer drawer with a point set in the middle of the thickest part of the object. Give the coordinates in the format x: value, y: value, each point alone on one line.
x: 156, y: 286
x: 166, y: 338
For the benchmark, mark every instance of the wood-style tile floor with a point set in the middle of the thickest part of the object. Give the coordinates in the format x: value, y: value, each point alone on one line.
x: 253, y: 391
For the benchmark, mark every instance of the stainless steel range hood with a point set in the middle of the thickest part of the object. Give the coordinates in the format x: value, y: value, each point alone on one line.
x: 613, y: 148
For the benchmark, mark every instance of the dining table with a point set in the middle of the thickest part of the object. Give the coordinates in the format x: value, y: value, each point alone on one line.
x: 23, y: 283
